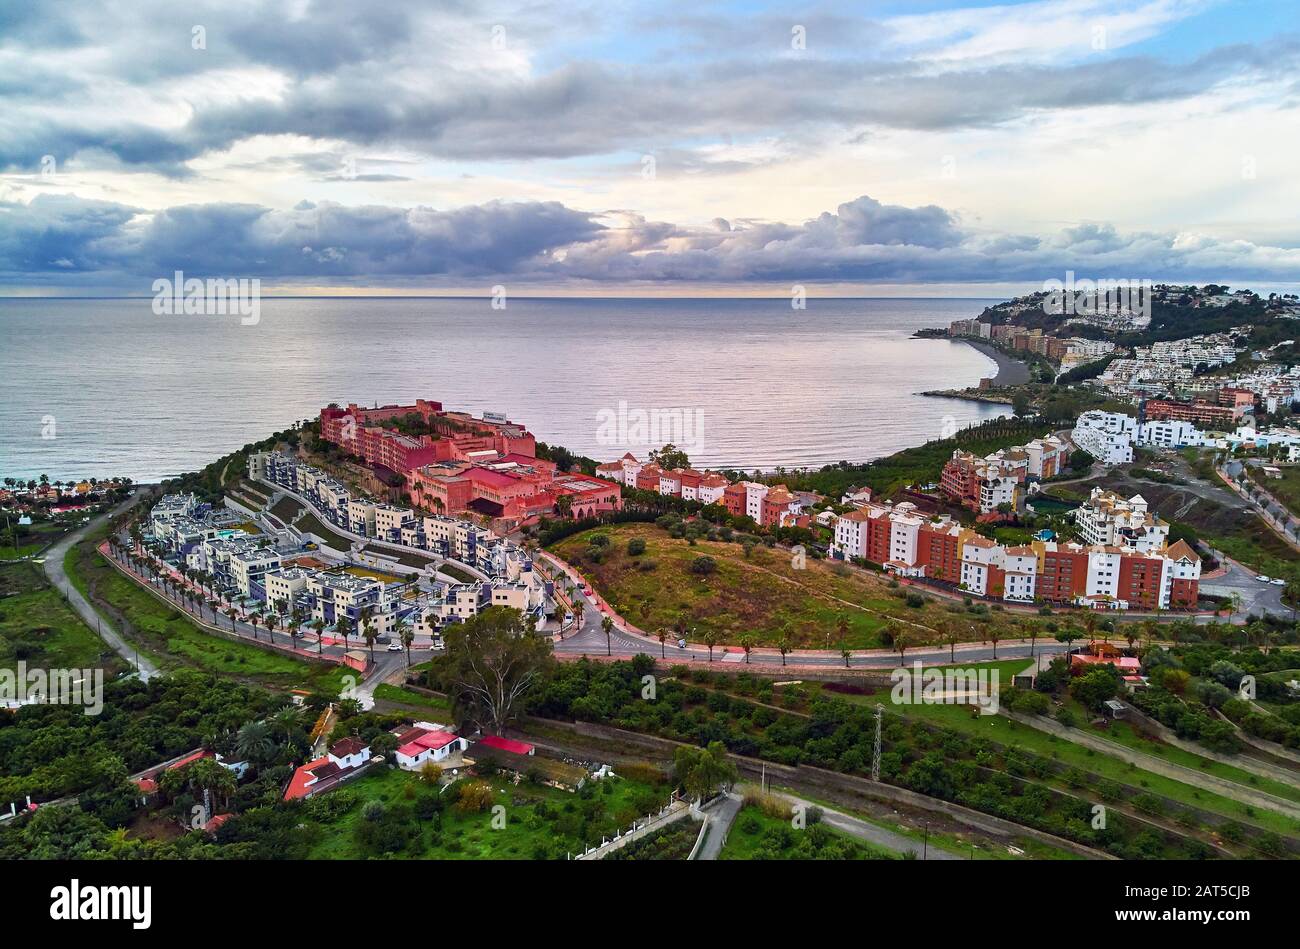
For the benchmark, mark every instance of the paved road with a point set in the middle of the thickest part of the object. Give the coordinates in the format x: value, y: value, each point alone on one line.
x: 720, y: 817
x: 590, y: 640
x: 880, y: 836
x: 1256, y: 597
x: 54, y: 570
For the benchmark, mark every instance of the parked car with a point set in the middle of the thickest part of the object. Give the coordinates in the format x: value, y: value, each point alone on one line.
x: 394, y: 646
x: 1278, y: 582
x: 1263, y: 579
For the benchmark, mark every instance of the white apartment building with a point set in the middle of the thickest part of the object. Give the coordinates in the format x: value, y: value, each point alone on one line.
x: 754, y: 494
x: 1170, y: 433
x: 712, y: 488
x: 285, y: 583
x: 1107, y: 436
x: 248, y: 566
x: 1112, y: 521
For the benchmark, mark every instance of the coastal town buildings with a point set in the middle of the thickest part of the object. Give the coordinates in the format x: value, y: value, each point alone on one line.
x: 1136, y: 575
x: 986, y: 484
x: 1107, y: 436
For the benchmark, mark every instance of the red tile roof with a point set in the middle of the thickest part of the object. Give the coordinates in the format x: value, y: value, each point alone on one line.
x: 302, y: 780
x: 507, y: 744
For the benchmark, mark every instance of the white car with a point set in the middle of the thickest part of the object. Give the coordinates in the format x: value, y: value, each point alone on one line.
x: 395, y: 646
x: 1278, y: 582
x: 1263, y: 579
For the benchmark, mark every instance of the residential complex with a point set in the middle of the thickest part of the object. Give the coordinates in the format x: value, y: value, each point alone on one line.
x: 1130, y: 574
x: 768, y: 505
x: 461, y: 464
x: 985, y: 484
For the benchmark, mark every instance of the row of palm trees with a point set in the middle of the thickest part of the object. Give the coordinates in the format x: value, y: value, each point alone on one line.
x: 198, y: 589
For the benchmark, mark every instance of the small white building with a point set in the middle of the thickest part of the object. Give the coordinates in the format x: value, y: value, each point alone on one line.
x: 422, y: 745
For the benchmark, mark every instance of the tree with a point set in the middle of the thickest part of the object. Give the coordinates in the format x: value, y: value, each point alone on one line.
x: 900, y: 645
x: 254, y: 743
x: 670, y: 457
x: 607, y: 627
x: 368, y: 630
x: 493, y: 662
x: 783, y: 647
x: 747, y: 644
x: 711, y: 639
x: 662, y: 636
x: 407, y: 633
x: 701, y: 772
x: 1020, y: 403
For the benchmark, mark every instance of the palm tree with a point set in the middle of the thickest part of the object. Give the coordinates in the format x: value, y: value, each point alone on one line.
x: 319, y: 626
x: 607, y: 627
x: 232, y: 613
x: 783, y: 647
x: 663, y: 639
x: 710, y: 638
x: 578, y: 609
x: 845, y: 653
x: 995, y: 637
x: 254, y: 620
x: 368, y: 631
x: 747, y: 644
x: 254, y: 742
x: 900, y: 646
x: 407, y: 633
x: 950, y: 636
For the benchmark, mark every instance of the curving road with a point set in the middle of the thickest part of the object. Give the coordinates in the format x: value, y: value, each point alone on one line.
x: 53, y: 566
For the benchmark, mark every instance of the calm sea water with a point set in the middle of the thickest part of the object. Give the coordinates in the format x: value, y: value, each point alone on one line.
x: 125, y: 392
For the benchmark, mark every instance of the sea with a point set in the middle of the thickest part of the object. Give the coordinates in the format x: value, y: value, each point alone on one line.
x: 107, y: 387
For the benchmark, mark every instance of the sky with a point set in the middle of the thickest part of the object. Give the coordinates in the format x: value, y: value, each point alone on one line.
x: 612, y: 148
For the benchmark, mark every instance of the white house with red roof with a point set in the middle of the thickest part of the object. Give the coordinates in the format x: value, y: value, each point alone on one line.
x: 424, y: 743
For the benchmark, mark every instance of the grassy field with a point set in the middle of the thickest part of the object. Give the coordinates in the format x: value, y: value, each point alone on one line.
x: 169, y: 638
x: 310, y: 523
x: 755, y: 834
x: 763, y: 594
x: 38, y: 627
x: 286, y: 509
x: 539, y: 821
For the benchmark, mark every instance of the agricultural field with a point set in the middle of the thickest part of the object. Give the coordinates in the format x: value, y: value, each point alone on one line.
x: 763, y: 594
x: 39, y: 628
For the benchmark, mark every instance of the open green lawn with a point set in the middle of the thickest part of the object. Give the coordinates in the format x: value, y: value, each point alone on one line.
x: 540, y: 821
x: 309, y: 522
x: 764, y: 594
x: 757, y: 835
x: 38, y: 627
x: 286, y: 509
x: 403, y: 696
x: 167, y: 636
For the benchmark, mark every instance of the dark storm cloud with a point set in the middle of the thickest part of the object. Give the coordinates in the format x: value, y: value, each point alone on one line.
x: 65, y: 240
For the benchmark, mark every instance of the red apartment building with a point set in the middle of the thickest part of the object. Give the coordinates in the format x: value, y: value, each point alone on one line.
x: 1200, y: 411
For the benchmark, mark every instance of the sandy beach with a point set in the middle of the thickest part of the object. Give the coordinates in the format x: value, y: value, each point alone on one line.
x: 1011, y: 372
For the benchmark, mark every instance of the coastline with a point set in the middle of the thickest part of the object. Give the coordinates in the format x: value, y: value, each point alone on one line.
x: 1011, y: 372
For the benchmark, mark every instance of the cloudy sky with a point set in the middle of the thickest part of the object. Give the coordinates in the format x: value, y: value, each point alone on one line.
x: 657, y: 147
